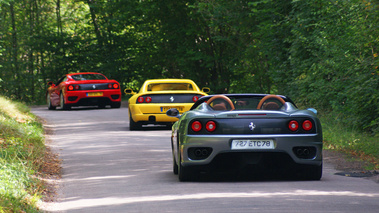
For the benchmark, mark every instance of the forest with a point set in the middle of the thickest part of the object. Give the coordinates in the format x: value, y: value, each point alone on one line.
x: 321, y: 53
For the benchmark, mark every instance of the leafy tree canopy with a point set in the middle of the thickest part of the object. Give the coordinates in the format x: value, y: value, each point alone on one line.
x: 321, y: 53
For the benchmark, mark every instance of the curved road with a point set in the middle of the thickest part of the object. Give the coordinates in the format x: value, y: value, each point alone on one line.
x: 107, y: 168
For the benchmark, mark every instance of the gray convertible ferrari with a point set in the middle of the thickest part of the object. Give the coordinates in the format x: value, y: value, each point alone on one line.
x: 246, y: 134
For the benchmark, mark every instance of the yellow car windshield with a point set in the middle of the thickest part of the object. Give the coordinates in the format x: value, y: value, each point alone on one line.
x: 169, y: 86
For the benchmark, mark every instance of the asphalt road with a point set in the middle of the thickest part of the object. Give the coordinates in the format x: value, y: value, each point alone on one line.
x: 107, y: 168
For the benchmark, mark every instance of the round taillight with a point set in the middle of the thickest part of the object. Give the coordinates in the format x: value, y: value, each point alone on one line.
x: 195, y: 98
x: 115, y: 86
x: 307, y: 125
x: 210, y: 126
x: 110, y: 86
x: 196, y: 126
x: 293, y: 125
x: 148, y: 99
x: 140, y: 99
x: 70, y: 87
x: 77, y: 87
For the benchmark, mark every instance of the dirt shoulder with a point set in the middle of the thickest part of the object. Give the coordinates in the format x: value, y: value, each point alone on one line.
x: 50, y: 172
x: 350, y: 166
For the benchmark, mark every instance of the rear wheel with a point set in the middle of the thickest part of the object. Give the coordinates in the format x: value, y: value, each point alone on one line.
x: 174, y: 164
x: 116, y: 105
x: 169, y: 126
x: 315, y: 173
x: 175, y: 168
x: 63, y: 104
x: 312, y: 173
x: 133, y: 125
x: 101, y: 106
x: 48, y: 100
x: 184, y: 173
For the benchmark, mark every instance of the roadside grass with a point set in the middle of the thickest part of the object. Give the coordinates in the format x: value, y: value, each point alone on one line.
x: 21, y: 155
x: 348, y: 140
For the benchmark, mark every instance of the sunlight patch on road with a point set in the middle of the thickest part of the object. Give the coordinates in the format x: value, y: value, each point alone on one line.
x: 108, y: 177
x: 100, y: 178
x: 109, y: 201
x: 157, y: 150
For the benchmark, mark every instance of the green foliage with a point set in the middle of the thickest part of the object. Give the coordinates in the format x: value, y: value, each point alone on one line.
x: 321, y: 53
x: 350, y: 140
x: 333, y: 59
x: 21, y: 154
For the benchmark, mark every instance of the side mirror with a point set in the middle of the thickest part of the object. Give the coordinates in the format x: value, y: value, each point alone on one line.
x: 205, y: 89
x: 129, y: 91
x: 173, y: 112
x: 312, y: 110
x: 50, y: 83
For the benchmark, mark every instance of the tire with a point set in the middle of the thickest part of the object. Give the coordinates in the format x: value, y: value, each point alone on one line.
x: 312, y: 173
x: 169, y: 126
x: 315, y: 173
x: 48, y: 100
x: 116, y: 105
x: 101, y: 106
x: 175, y: 167
x: 184, y: 173
x: 133, y: 125
x: 63, y: 105
x: 174, y: 164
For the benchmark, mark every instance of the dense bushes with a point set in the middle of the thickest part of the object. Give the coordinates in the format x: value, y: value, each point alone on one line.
x: 322, y: 53
x: 334, y: 63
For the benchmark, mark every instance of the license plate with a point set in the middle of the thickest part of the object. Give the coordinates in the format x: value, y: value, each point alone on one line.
x: 164, y: 109
x: 253, y: 144
x: 94, y: 94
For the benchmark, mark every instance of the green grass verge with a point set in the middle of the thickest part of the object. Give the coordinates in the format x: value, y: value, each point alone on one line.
x: 21, y: 155
x: 349, y: 140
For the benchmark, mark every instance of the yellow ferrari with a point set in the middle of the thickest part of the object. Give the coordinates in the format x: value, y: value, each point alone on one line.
x: 156, y: 96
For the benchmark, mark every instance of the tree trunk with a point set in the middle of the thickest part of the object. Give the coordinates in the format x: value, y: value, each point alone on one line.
x: 91, y: 4
x: 14, y: 52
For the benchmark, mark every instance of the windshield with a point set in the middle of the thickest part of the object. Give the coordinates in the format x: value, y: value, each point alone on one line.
x: 245, y: 102
x: 252, y: 103
x: 169, y: 86
x: 83, y: 77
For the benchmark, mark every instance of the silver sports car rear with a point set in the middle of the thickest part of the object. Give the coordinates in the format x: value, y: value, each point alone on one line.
x: 253, y: 133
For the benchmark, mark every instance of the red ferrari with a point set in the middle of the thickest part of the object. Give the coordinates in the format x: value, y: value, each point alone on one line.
x: 83, y: 89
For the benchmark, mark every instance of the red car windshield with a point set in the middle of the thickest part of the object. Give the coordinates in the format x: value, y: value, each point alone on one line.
x: 83, y: 77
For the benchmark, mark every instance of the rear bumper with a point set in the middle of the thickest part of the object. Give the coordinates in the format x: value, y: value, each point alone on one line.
x: 155, y: 113
x: 285, y: 145
x: 81, y: 98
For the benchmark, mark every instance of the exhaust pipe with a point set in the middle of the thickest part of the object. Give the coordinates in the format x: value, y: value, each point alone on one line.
x: 305, y: 152
x: 198, y: 152
x: 299, y: 152
x: 204, y: 152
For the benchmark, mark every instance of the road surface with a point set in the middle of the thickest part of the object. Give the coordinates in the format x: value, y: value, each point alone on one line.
x: 107, y: 168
